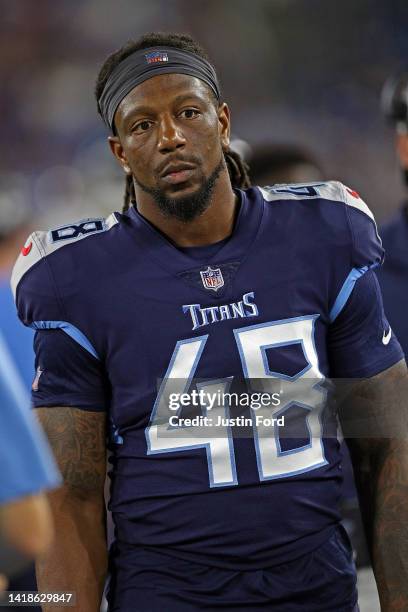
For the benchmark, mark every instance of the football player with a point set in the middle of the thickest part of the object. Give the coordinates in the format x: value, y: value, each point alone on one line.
x: 270, y: 164
x: 200, y: 283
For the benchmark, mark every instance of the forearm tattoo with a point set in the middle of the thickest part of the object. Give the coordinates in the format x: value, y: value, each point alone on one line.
x: 77, y: 438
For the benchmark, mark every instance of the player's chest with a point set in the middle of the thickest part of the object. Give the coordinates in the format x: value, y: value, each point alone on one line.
x: 225, y: 319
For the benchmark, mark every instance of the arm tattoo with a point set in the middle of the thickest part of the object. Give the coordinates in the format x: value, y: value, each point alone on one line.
x: 380, y: 463
x: 77, y: 438
x: 390, y: 525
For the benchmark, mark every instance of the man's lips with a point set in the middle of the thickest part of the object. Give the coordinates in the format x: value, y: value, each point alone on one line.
x: 178, y: 176
x: 177, y: 173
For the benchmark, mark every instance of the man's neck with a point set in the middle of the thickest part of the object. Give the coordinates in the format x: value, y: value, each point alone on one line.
x: 213, y: 225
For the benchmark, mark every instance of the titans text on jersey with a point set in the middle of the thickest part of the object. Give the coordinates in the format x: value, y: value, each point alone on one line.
x: 124, y: 318
x: 204, y: 316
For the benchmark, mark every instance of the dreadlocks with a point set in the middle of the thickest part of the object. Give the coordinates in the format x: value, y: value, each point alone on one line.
x: 237, y: 168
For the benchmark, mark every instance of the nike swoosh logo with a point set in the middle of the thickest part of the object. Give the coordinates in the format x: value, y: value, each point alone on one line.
x: 26, y: 249
x: 386, y: 337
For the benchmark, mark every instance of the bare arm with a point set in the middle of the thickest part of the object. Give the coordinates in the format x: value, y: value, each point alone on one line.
x: 77, y: 559
x: 27, y: 524
x: 375, y: 425
x: 26, y: 531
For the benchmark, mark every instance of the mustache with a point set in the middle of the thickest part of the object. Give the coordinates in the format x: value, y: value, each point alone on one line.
x: 191, y: 159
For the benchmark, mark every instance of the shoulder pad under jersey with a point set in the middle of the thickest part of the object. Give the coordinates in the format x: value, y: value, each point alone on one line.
x: 333, y: 191
x: 41, y: 244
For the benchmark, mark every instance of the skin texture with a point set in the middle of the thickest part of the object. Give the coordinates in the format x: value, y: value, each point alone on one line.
x: 77, y: 560
x: 374, y: 417
x: 27, y: 524
x: 173, y: 119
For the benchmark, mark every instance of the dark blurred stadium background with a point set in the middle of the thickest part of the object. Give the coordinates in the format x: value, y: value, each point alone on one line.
x: 307, y: 72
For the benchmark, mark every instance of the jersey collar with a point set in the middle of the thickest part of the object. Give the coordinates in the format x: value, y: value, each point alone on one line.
x: 236, y: 248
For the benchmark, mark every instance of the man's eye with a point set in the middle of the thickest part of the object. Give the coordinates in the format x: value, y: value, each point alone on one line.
x: 143, y: 126
x: 190, y: 113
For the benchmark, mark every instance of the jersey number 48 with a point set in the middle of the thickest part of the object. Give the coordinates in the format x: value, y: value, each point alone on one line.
x: 304, y: 390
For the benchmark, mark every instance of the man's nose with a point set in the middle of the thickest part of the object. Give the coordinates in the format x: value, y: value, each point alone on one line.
x: 171, y: 136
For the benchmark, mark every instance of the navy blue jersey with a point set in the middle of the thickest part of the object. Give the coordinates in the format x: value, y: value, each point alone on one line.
x: 125, y: 320
x: 393, y: 276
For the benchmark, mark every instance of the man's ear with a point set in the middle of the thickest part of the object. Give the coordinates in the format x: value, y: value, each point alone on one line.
x: 117, y: 150
x: 224, y: 117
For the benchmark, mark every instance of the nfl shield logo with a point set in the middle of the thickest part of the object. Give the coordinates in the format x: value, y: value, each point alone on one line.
x: 212, y: 279
x: 156, y: 56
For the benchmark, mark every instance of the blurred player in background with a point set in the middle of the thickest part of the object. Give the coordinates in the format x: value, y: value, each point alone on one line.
x: 15, y: 223
x: 27, y: 470
x: 393, y: 276
x: 203, y: 278
x: 270, y: 164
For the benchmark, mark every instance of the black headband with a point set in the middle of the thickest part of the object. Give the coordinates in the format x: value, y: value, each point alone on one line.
x: 145, y: 64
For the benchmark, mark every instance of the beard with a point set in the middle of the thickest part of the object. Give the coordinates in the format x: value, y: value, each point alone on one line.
x: 190, y: 207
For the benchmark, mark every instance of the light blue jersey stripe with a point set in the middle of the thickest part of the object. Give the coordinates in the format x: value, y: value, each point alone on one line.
x: 70, y: 330
x: 346, y: 290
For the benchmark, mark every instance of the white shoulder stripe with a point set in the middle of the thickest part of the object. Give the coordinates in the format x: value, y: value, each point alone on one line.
x: 40, y: 244
x: 353, y: 199
x: 332, y: 190
x: 30, y: 254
